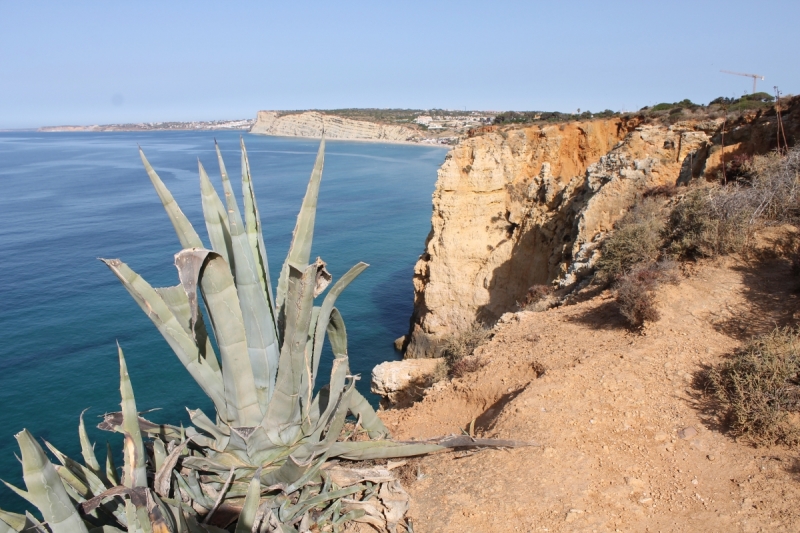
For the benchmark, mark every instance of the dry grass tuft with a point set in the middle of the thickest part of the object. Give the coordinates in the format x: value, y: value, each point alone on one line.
x: 459, y: 348
x: 759, y: 387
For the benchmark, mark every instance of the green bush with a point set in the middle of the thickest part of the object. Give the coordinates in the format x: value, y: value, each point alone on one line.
x: 759, y: 388
x: 637, y: 240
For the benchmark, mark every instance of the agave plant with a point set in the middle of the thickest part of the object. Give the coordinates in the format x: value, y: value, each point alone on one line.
x: 268, y: 459
x: 85, y: 498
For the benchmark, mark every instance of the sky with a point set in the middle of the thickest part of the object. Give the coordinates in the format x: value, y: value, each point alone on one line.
x: 101, y: 62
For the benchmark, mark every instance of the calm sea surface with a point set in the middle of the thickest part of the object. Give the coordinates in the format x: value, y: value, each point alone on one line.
x: 68, y: 198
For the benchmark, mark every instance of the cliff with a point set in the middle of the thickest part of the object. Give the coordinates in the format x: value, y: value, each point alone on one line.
x: 312, y: 124
x: 523, y: 206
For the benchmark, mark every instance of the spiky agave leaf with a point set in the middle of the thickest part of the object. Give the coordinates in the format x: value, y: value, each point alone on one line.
x: 183, y: 228
x: 303, y: 234
x: 134, y: 472
x: 205, y: 373
x: 262, y: 342
x: 45, y: 488
x: 222, y: 300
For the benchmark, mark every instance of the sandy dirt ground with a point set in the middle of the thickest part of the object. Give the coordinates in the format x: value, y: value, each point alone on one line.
x: 626, y: 438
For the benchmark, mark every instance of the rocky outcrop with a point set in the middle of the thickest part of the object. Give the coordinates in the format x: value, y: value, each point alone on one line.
x: 522, y: 206
x: 400, y: 383
x: 312, y: 124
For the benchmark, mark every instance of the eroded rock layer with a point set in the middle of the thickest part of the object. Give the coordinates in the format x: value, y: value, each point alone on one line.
x: 523, y: 206
x: 312, y: 123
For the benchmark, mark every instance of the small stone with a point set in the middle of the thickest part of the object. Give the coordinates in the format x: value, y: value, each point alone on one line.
x: 687, y: 432
x: 711, y: 457
x: 660, y: 437
x: 695, y: 482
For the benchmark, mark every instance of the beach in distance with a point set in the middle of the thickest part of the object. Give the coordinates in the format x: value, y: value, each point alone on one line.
x: 70, y: 198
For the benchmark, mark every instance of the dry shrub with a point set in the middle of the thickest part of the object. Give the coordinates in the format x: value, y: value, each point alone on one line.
x: 760, y: 388
x: 720, y: 220
x: 537, y: 298
x: 709, y: 222
x: 775, y: 186
x: 636, y: 240
x: 457, y: 350
x: 635, y: 294
x: 664, y: 191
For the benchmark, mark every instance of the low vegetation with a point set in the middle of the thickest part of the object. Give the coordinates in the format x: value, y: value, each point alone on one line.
x: 538, y: 298
x: 636, y: 242
x: 759, y: 388
x: 458, y: 350
x: 706, y: 220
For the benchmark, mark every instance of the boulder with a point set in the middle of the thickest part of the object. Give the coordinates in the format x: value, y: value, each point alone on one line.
x: 400, y: 383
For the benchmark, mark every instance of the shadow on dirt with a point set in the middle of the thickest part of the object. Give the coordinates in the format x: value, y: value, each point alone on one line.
x: 486, y: 420
x: 712, y: 414
x: 604, y: 316
x: 771, y: 299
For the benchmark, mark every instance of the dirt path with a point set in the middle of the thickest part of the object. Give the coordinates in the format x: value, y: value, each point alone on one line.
x: 627, y: 441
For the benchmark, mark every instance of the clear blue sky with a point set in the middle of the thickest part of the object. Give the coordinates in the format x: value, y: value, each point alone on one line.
x: 101, y: 62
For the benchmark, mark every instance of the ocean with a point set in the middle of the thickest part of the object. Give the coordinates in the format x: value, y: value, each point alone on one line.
x: 70, y: 198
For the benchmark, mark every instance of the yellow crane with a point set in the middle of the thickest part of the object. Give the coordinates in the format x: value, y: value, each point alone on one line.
x: 754, y: 76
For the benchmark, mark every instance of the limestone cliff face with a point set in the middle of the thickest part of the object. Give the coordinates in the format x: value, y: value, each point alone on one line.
x: 312, y: 123
x: 525, y: 206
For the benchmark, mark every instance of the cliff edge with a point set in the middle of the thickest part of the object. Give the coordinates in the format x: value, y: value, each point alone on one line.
x: 527, y: 205
x: 312, y: 124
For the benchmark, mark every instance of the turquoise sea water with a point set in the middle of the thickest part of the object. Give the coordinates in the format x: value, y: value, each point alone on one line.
x: 68, y: 198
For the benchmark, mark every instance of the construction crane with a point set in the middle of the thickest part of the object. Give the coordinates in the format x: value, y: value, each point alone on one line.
x: 754, y: 76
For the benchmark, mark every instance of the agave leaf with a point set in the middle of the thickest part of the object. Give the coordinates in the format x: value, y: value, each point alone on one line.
x: 254, y: 234
x: 177, y: 301
x: 216, y: 219
x: 305, y: 505
x: 222, y: 302
x: 163, y: 480
x: 359, y: 406
x: 134, y: 473
x: 339, y: 370
x: 303, y: 234
x: 16, y: 521
x: 24, y: 494
x: 90, y: 481
x: 381, y: 449
x: 87, y: 448
x: 186, y: 233
x: 284, y: 415
x: 106, y: 529
x: 200, y: 420
x: 32, y: 525
x: 45, y: 488
x: 111, y: 469
x: 337, y: 334
x: 170, y: 327
x: 113, y: 422
x: 327, y: 308
x: 250, y: 508
x: 262, y: 343
x: 191, y: 486
x: 5, y: 528
x: 160, y: 518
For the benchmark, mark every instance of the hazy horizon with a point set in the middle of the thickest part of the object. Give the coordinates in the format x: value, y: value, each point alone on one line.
x: 94, y: 62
